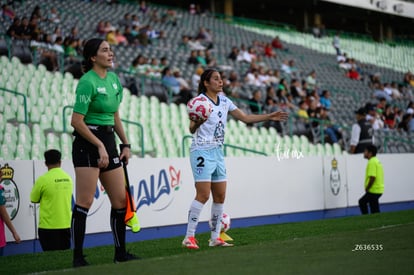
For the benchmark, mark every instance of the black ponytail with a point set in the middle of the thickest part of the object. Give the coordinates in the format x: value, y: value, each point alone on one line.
x: 205, y: 76
x: 90, y: 50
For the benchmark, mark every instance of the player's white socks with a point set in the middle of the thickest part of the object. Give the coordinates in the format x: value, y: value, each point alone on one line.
x: 216, y: 214
x: 193, y: 216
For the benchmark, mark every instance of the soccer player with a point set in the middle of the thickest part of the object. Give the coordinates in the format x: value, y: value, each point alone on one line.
x: 207, y: 158
x: 96, y: 120
x: 53, y: 190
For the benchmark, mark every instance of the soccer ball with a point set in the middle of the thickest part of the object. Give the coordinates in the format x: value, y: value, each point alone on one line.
x: 225, y: 223
x: 199, y: 108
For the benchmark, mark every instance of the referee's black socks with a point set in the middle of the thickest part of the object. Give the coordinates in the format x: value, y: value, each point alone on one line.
x: 78, y: 227
x: 118, y: 232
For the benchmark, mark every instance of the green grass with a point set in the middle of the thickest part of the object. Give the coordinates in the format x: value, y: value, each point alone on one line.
x: 315, y: 247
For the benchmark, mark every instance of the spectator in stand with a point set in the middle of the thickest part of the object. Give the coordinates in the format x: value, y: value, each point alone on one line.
x: 325, y: 99
x: 120, y: 38
x: 333, y: 131
x: 183, y: 82
x: 285, y: 68
x: 255, y: 103
x: 183, y: 45
x: 37, y: 13
x: 373, y: 117
x: 268, y: 51
x: 56, y: 33
x: 277, y: 44
x: 396, y: 94
x: 7, y: 13
x: 169, y: 81
x: 100, y: 28
x: 135, y: 21
x: 284, y: 103
x: 195, y: 78
x: 154, y: 68
x: 389, y: 117
x: 193, y: 58
x: 296, y: 89
x: 274, y: 77
x: 244, y: 55
x: 380, y: 93
x: 234, y: 53
x: 110, y: 37
x: 126, y: 21
x: 311, y: 80
x: 336, y: 44
x: 205, y: 36
x: 195, y: 44
x: 143, y: 7
x: 353, y: 74
x: 14, y: 30
x: 130, y: 37
x: 404, y: 125
x: 139, y: 66
x: 302, y: 112
x: 53, y: 16
x: 201, y: 58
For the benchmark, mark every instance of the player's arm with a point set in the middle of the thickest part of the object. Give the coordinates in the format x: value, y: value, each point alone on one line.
x: 253, y: 118
x: 356, y: 131
x: 370, y: 183
x: 119, y: 130
x: 194, y: 124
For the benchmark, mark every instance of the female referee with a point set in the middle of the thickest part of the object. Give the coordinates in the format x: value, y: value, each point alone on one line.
x: 96, y: 120
x: 207, y: 158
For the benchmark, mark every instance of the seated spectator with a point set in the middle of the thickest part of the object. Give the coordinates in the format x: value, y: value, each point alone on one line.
x: 139, y: 66
x: 169, y: 17
x: 120, y: 38
x: 126, y: 21
x: 276, y: 43
x: 135, y: 21
x: 285, y: 68
x: 37, y: 13
x: 325, y: 99
x: 389, y: 117
x: 14, y: 31
x: 53, y: 16
x: 274, y: 77
x: 311, y: 80
x: 380, y: 93
x: 404, y: 125
x: 302, y: 112
x: 244, y: 55
x: 7, y: 13
x: 296, y: 89
x: 284, y: 102
x: 100, y: 28
x: 130, y: 37
x: 195, y: 78
x: 268, y: 50
x: 353, y: 74
x: 234, y: 53
x: 272, y: 106
x: 174, y: 86
x: 205, y: 36
x: 111, y: 38
x: 154, y: 68
x: 255, y: 103
x: 193, y: 58
x: 143, y: 8
x: 332, y: 131
x: 195, y: 44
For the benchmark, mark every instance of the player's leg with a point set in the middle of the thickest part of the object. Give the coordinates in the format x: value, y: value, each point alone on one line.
x: 374, y: 204
x: 363, y: 203
x: 201, y: 167
x: 114, y: 184
x: 86, y: 179
x: 218, y: 191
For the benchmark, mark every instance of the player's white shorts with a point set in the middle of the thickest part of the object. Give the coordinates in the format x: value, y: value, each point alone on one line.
x: 208, y: 165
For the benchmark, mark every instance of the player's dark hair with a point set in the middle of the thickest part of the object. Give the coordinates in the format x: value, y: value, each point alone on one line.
x: 52, y: 157
x: 372, y: 149
x: 205, y: 76
x: 90, y: 49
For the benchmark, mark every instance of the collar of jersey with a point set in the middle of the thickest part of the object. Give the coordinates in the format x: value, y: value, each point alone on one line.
x: 218, y: 99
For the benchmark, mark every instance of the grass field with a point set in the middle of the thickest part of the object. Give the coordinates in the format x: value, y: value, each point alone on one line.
x: 315, y: 247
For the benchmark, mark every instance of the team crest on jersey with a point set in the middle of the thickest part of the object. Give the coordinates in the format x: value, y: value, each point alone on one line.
x: 115, y: 86
x: 101, y: 90
x: 11, y: 192
x: 220, y: 114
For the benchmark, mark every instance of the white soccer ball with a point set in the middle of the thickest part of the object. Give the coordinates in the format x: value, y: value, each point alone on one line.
x: 199, y: 108
x: 225, y: 223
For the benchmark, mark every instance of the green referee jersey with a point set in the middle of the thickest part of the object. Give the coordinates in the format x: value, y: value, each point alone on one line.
x: 98, y: 98
x: 53, y: 190
x: 375, y: 169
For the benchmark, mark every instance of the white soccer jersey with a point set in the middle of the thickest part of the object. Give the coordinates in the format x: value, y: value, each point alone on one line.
x: 211, y: 133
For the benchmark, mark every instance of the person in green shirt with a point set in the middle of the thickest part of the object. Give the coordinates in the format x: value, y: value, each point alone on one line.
x: 95, y: 120
x: 374, y: 182
x: 53, y: 190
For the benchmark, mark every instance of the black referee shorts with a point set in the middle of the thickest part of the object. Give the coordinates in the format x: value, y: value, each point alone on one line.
x: 85, y: 154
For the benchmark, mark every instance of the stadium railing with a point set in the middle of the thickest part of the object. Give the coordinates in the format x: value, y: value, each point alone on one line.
x: 26, y: 121
x: 139, y: 125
